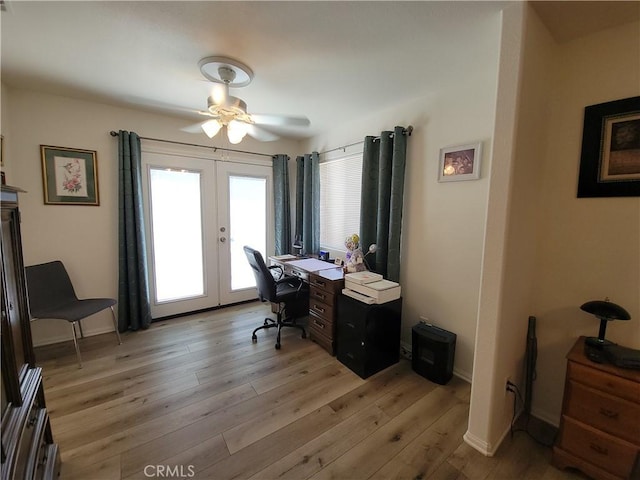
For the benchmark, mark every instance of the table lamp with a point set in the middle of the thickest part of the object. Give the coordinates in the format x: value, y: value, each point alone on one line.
x: 373, y: 248
x: 605, y: 311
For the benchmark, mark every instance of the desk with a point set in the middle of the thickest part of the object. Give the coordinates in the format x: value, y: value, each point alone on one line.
x: 325, y: 283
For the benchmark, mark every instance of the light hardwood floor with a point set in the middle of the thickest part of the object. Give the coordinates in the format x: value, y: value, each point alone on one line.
x: 194, y: 398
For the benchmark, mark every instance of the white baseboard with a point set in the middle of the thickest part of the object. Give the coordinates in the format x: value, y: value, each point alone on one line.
x: 478, y: 444
x: 546, y: 417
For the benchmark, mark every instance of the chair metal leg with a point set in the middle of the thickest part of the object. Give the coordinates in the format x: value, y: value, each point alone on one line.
x: 81, y: 332
x: 75, y: 343
x: 115, y: 324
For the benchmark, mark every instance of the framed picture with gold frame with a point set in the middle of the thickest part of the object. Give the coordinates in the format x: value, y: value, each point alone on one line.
x: 69, y: 176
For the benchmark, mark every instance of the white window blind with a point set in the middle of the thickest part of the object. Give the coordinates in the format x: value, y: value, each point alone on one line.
x: 340, y: 185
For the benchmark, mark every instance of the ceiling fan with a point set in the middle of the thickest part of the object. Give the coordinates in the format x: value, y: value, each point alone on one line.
x: 229, y: 112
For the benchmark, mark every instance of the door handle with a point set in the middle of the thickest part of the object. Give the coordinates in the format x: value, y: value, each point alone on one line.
x: 223, y: 239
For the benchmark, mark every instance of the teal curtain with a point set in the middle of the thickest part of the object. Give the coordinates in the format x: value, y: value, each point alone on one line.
x: 282, y: 205
x: 308, y: 202
x: 134, y: 311
x: 383, y: 167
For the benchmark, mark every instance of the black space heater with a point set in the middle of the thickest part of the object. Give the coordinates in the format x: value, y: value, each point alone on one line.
x: 432, y: 352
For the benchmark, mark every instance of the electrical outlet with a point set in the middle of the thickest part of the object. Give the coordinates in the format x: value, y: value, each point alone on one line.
x: 511, y: 387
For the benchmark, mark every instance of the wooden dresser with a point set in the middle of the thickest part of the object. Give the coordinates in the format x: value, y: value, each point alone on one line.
x: 600, y: 424
x: 324, y: 288
x: 28, y: 451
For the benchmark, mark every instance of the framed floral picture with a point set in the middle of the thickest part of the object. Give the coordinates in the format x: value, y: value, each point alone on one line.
x: 69, y: 176
x: 460, y: 163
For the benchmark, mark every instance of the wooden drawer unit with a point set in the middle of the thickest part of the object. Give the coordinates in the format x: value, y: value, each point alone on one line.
x: 324, y: 287
x: 604, y: 451
x: 600, y: 424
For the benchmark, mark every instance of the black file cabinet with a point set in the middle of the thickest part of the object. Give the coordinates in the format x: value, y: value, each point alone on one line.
x: 368, y: 336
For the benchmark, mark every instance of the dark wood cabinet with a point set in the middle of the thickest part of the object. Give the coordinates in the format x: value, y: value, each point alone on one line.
x: 600, y: 427
x: 368, y: 336
x: 324, y: 288
x: 28, y: 451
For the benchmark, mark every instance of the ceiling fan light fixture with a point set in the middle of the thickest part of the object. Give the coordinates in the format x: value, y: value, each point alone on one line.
x: 236, y: 131
x: 211, y: 128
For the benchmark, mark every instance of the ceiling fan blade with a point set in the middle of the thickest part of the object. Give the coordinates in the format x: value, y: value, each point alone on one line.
x: 261, y: 134
x: 280, y: 120
x: 195, y: 128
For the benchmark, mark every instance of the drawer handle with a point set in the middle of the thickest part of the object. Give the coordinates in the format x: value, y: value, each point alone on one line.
x: 350, y: 325
x: 350, y: 355
x: 316, y: 307
x: 322, y: 284
x: 320, y: 295
x: 318, y: 323
x: 608, y: 413
x: 599, y: 449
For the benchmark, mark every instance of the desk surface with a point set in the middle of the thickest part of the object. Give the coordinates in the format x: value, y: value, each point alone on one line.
x: 310, y: 265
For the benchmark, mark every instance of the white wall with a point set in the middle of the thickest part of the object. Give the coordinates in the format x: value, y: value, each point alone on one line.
x: 84, y: 237
x: 589, y: 248
x: 4, y: 129
x: 443, y: 223
x: 547, y: 252
x: 485, y: 393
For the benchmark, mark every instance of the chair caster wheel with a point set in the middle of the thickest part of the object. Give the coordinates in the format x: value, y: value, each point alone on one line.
x: 277, y: 346
x: 266, y: 322
x: 254, y: 339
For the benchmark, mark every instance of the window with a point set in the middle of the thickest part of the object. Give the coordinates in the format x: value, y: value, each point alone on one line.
x: 340, y: 186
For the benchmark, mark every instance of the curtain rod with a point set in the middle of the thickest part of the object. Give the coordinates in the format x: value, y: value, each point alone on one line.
x: 113, y: 133
x: 406, y: 131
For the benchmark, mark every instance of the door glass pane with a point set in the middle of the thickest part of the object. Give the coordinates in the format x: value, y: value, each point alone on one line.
x: 176, y: 220
x: 247, y: 225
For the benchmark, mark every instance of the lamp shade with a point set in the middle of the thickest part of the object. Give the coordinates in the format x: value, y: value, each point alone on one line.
x: 211, y: 127
x: 236, y: 131
x: 605, y: 310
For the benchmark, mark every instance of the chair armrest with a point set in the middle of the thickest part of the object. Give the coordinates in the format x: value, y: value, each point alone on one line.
x: 276, y: 267
x: 292, y: 280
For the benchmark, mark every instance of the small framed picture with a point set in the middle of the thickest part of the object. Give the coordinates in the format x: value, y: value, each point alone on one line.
x: 69, y: 176
x: 610, y: 157
x: 460, y: 163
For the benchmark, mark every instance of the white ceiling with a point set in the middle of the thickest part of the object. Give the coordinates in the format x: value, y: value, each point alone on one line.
x: 319, y: 59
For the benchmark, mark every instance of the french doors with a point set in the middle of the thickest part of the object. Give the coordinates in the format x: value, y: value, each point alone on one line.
x: 199, y: 213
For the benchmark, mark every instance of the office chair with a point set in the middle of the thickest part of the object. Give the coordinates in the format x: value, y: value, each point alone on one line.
x: 51, y: 295
x: 290, y: 294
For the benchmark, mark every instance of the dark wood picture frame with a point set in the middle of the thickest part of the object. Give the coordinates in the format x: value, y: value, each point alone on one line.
x: 610, y: 159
